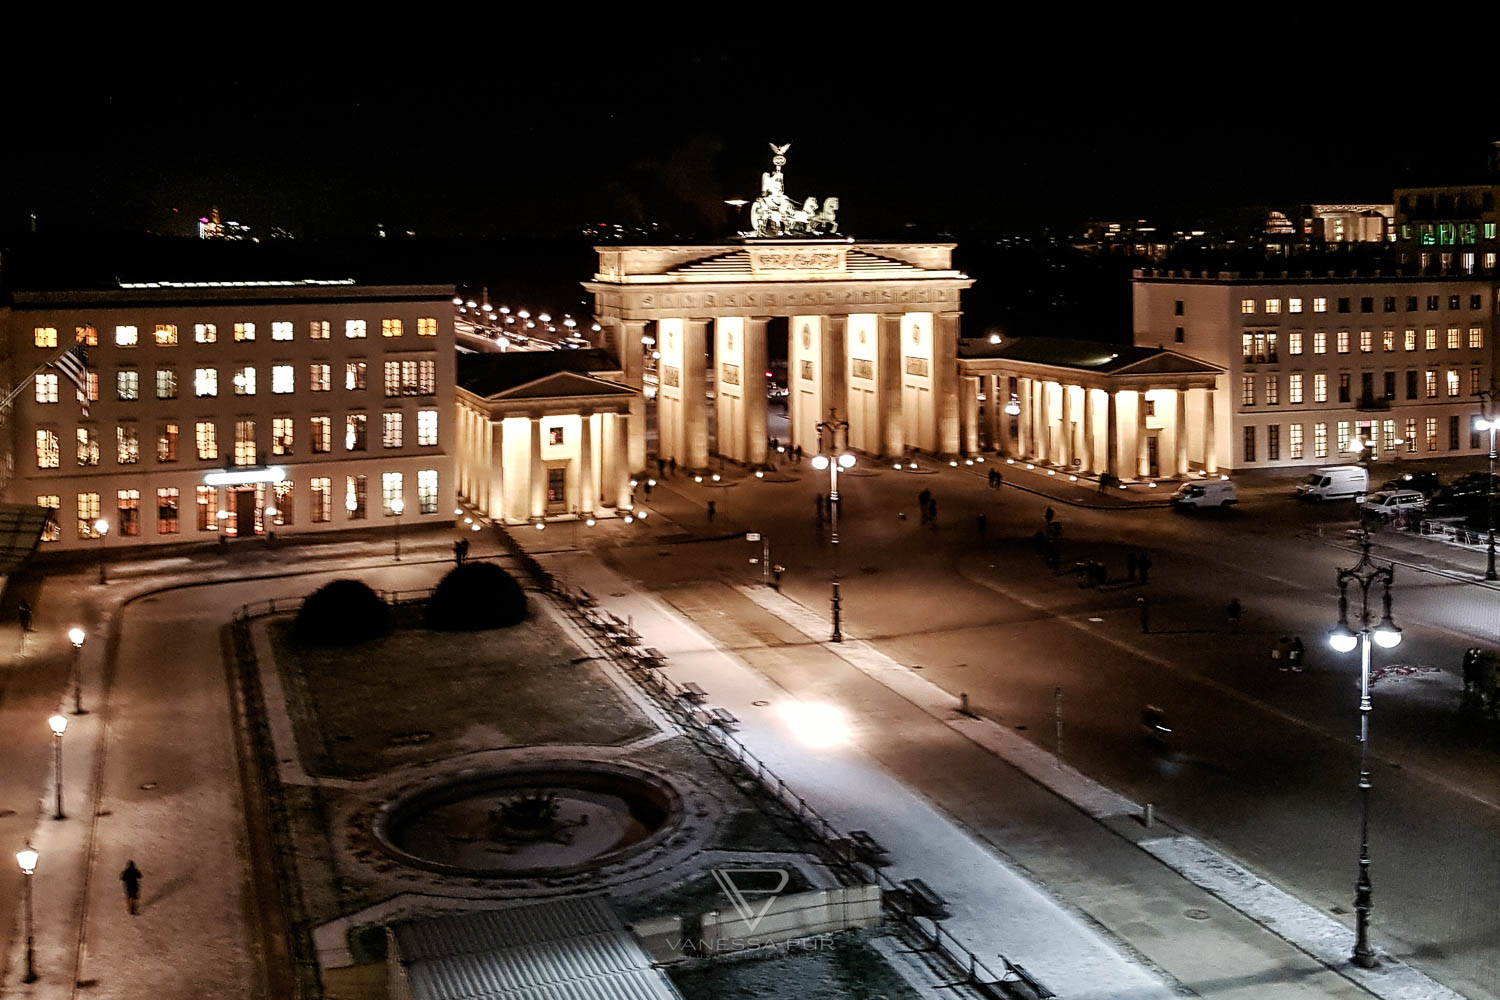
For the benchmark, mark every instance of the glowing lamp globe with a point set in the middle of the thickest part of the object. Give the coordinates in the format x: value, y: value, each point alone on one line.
x: 27, y: 860
x: 58, y: 724
x: 820, y: 462
x: 76, y: 636
x: 1342, y: 639
x: 846, y: 461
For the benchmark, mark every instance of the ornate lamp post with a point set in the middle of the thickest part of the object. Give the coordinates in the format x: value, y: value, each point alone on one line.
x: 397, y: 506
x: 76, y: 636
x: 1343, y: 639
x: 835, y: 460
x: 59, y: 725
x: 1490, y: 424
x: 101, y: 528
x: 27, y: 860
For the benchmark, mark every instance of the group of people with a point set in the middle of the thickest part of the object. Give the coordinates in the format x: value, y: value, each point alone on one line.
x: 928, y: 503
x: 1287, y: 653
x: 794, y: 452
x: 666, y: 467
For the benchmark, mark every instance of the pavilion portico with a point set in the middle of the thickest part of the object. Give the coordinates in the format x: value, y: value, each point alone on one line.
x: 872, y: 333
x: 1132, y: 412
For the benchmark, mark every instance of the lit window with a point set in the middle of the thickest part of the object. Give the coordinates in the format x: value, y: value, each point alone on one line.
x: 166, y: 383
x: 354, y: 497
x: 391, y: 488
x: 427, y: 427
x: 1247, y: 307
x: 127, y: 386
x: 244, y: 331
x: 127, y: 444
x: 86, y: 335
x: 1474, y: 384
x: 1320, y: 388
x: 1320, y: 342
x: 46, y: 388
x: 206, y: 382
x: 207, y: 498
x: 1320, y: 305
x: 281, y: 331
x: 244, y: 442
x: 321, y: 436
x: 128, y: 503
x: 1452, y: 382
x: 45, y: 336
x: 166, y: 335
x: 427, y: 490
x: 88, y: 446
x: 1366, y: 341
x: 1388, y: 434
x: 1320, y: 440
x: 1294, y: 342
x: 88, y: 515
x: 244, y: 381
x: 1432, y: 434
x: 318, y: 375
x: 354, y: 432
x: 1430, y: 338
x: 1343, y: 341
x: 281, y: 379
x: 206, y: 433
x: 1294, y: 441
x: 1455, y: 338
x: 354, y: 375
x: 1411, y: 435
x: 427, y: 327
x: 1273, y: 390
x: 285, y: 503
x: 1476, y: 337
x: 1388, y: 341
x: 1294, y: 305
x: 166, y: 441
x: 1430, y: 384
x: 91, y: 386
x: 354, y: 329
x: 281, y: 435
x: 390, y: 328
x: 317, y: 330
x: 1273, y: 307
x: 126, y: 336
x: 167, y: 512
x: 48, y: 450
x: 320, y: 489
x: 52, y: 528
x: 1343, y: 436
x: 1409, y: 340
x: 205, y: 333
x: 1294, y: 388
x: 390, y: 429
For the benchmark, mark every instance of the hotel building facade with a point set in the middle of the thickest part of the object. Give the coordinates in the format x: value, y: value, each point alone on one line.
x: 233, y: 409
x: 1323, y: 371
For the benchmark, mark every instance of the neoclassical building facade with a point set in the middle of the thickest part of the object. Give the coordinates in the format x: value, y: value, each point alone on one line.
x: 872, y: 334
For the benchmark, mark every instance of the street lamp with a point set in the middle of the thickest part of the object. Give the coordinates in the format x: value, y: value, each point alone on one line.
x: 76, y: 636
x: 835, y: 460
x: 58, y: 725
x: 1343, y: 639
x: 1490, y: 424
x: 397, y: 506
x: 27, y: 860
x: 101, y: 528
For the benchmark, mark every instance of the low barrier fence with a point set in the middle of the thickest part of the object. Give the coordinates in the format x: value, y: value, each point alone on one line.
x: 1455, y: 534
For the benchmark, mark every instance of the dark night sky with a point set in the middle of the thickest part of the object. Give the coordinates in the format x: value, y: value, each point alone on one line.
x: 962, y: 146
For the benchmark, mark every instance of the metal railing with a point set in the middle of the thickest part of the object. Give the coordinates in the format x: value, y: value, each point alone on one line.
x: 287, y: 605
x: 1455, y: 534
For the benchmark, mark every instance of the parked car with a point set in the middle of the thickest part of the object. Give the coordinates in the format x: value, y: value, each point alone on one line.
x: 1334, y: 482
x: 1467, y: 496
x: 1210, y: 493
x: 1425, y: 483
x: 1389, y: 504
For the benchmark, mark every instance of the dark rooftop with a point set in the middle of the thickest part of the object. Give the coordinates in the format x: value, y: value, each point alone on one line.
x: 1088, y: 355
x: 489, y: 374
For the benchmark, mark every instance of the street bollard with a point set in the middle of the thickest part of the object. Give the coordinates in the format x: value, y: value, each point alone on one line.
x: 1148, y: 815
x: 1145, y: 615
x: 963, y: 703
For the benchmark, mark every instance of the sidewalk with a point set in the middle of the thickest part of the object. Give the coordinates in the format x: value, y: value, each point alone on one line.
x: 1428, y: 555
x: 1192, y: 913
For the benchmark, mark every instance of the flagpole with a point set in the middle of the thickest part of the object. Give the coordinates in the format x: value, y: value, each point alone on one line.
x: 21, y: 386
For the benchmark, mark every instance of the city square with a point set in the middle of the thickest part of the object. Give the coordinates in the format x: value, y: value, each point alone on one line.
x: 756, y: 605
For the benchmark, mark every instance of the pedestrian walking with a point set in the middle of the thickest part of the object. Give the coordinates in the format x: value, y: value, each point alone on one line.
x: 1130, y: 566
x: 818, y: 505
x: 1048, y: 515
x: 1294, y: 655
x: 983, y: 523
x: 712, y: 510
x: 649, y: 483
x: 672, y: 466
x: 1233, y: 611
x: 131, y: 876
x: 23, y: 613
x: 1103, y: 481
x: 661, y: 467
x: 1143, y: 563
x: 994, y: 478
x: 776, y: 572
x: 1281, y: 653
x: 799, y: 454
x: 458, y: 552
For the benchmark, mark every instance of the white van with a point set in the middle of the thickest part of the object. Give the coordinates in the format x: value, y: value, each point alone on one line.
x: 1334, y: 482
x: 1209, y: 493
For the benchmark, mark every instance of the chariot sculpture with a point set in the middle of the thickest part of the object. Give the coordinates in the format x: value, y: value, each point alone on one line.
x: 774, y: 214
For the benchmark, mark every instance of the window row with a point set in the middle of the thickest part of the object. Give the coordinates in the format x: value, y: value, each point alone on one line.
x: 1418, y: 385
x: 1357, y: 437
x: 1261, y: 347
x: 1446, y: 234
x: 275, y: 506
x: 167, y: 334
x: 1272, y: 307
x: 245, y: 449
x: 402, y: 378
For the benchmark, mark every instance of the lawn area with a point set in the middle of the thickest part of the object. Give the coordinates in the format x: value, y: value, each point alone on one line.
x: 417, y: 694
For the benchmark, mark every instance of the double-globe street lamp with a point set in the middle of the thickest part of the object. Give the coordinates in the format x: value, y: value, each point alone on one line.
x: 1343, y: 639
x: 76, y: 636
x: 836, y: 458
x: 1491, y: 424
x: 59, y: 725
x: 101, y: 528
x: 26, y: 858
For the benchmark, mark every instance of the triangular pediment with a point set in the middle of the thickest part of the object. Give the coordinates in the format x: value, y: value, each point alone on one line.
x: 1168, y: 363
x: 564, y: 384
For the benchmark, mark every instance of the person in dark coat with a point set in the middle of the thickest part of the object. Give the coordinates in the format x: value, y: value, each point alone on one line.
x: 131, y: 876
x: 1294, y: 655
x: 23, y: 614
x: 712, y: 510
x: 1048, y: 515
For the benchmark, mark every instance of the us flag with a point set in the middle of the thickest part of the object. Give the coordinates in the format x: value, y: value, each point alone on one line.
x: 74, y: 364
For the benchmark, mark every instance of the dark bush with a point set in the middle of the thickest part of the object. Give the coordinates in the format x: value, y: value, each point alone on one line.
x: 342, y: 613
x: 474, y: 596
